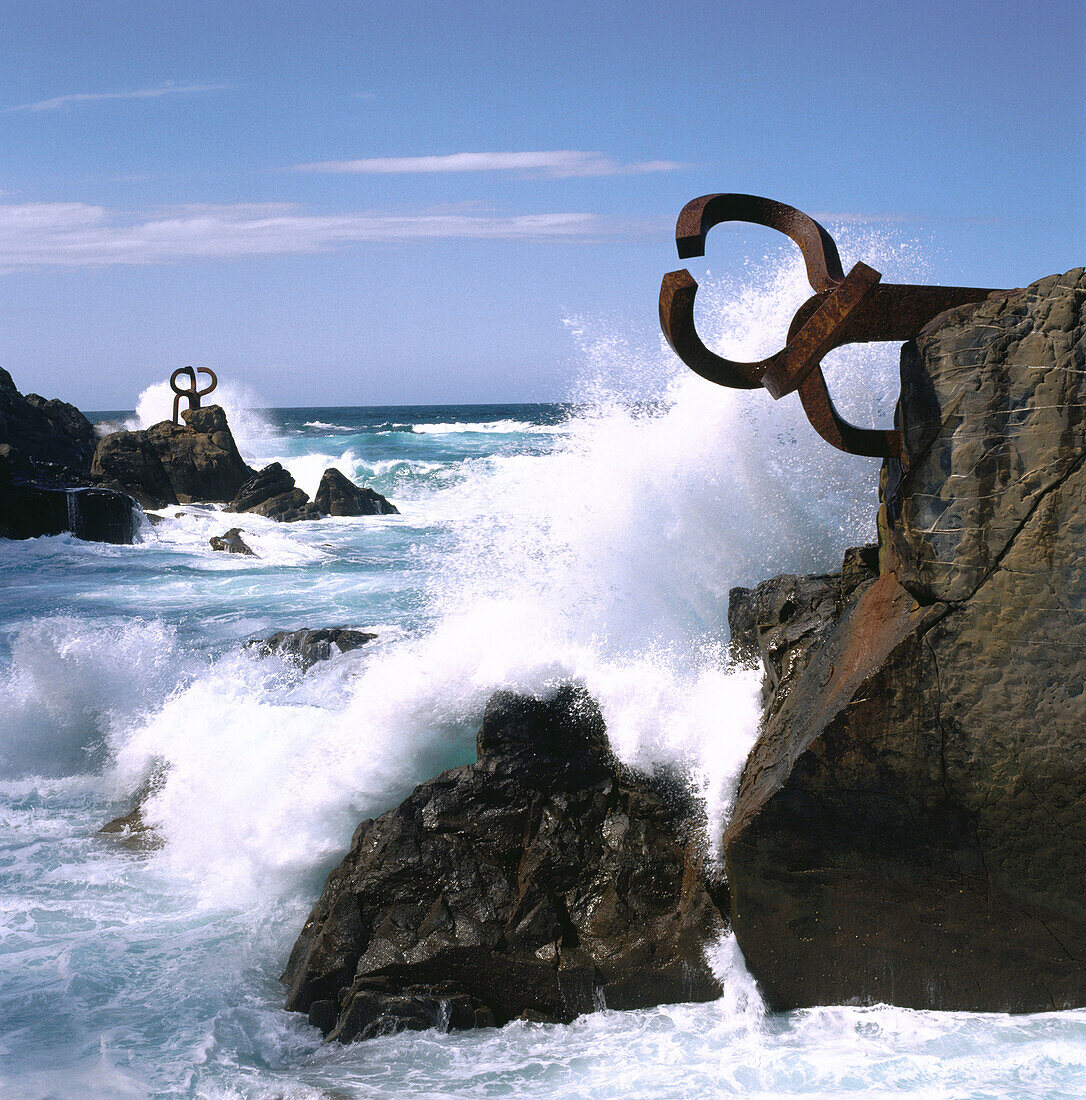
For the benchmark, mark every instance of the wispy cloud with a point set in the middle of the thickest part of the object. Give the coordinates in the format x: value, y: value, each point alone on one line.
x: 554, y: 163
x: 80, y: 235
x: 60, y: 101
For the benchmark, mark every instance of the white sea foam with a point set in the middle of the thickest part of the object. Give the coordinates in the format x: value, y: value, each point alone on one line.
x: 478, y: 427
x: 322, y: 426
x: 606, y: 561
x: 71, y: 681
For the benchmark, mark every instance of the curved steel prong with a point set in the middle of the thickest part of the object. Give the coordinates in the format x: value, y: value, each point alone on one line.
x: 677, y: 293
x: 814, y: 395
x: 843, y: 310
x: 699, y: 215
x: 192, y: 392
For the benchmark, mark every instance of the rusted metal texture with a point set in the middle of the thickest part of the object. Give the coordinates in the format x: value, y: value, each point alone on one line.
x: 192, y: 392
x: 855, y: 308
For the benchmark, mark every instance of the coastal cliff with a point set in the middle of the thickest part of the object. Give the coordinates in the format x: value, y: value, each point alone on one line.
x: 909, y: 826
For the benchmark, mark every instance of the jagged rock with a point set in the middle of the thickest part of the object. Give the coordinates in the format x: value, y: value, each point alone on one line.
x: 541, y: 882
x: 272, y: 493
x: 909, y: 827
x: 47, y: 438
x: 45, y: 456
x: 232, y: 543
x: 174, y: 464
x: 779, y: 622
x: 308, y: 646
x: 338, y: 496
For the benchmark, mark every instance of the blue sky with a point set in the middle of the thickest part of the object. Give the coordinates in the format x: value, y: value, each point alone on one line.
x: 370, y: 203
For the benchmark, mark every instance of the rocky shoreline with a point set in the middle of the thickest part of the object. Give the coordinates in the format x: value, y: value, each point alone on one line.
x: 56, y: 475
x: 908, y: 827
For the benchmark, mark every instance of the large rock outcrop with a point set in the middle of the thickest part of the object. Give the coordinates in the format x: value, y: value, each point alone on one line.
x: 46, y: 449
x: 174, y: 464
x: 272, y: 493
x: 44, y: 438
x: 910, y: 825
x: 339, y: 496
x: 541, y: 882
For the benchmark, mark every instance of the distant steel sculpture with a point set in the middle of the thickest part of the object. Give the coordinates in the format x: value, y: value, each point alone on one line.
x: 192, y: 393
x: 845, y: 309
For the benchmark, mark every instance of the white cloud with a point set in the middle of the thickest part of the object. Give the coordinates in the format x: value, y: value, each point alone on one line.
x: 555, y: 163
x: 57, y: 102
x: 79, y: 234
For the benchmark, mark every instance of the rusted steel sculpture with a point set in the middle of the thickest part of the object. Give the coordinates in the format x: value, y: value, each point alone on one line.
x: 845, y: 309
x: 192, y: 392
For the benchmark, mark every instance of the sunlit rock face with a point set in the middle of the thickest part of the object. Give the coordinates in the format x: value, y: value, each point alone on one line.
x: 911, y: 825
x: 170, y: 463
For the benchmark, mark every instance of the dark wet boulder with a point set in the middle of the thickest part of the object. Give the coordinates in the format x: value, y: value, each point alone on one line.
x: 272, y: 493
x: 338, y: 496
x: 47, y: 438
x: 308, y: 646
x: 910, y: 825
x: 174, y: 464
x: 232, y: 543
x: 31, y: 509
x: 542, y: 882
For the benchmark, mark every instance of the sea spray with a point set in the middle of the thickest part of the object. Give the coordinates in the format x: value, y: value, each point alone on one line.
x: 73, y: 683
x: 601, y: 551
x: 606, y: 559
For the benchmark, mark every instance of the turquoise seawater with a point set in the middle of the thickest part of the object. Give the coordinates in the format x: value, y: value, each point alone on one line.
x: 593, y: 541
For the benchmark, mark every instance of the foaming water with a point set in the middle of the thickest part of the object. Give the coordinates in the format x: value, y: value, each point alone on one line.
x: 594, y: 541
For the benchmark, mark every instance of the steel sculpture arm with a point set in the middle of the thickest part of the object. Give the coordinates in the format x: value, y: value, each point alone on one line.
x: 192, y: 392
x: 845, y: 309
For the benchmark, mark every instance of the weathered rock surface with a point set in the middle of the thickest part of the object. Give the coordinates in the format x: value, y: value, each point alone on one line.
x: 338, y: 496
x: 909, y: 827
x: 232, y: 543
x: 542, y: 881
x: 174, y: 464
x: 308, y: 646
x: 46, y: 438
x: 273, y: 494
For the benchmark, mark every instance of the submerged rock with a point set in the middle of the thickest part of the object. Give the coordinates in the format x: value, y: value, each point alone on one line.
x: 308, y: 646
x: 232, y: 543
x: 273, y: 494
x: 174, y: 464
x: 909, y: 826
x: 543, y: 881
x: 338, y: 496
x: 132, y: 831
